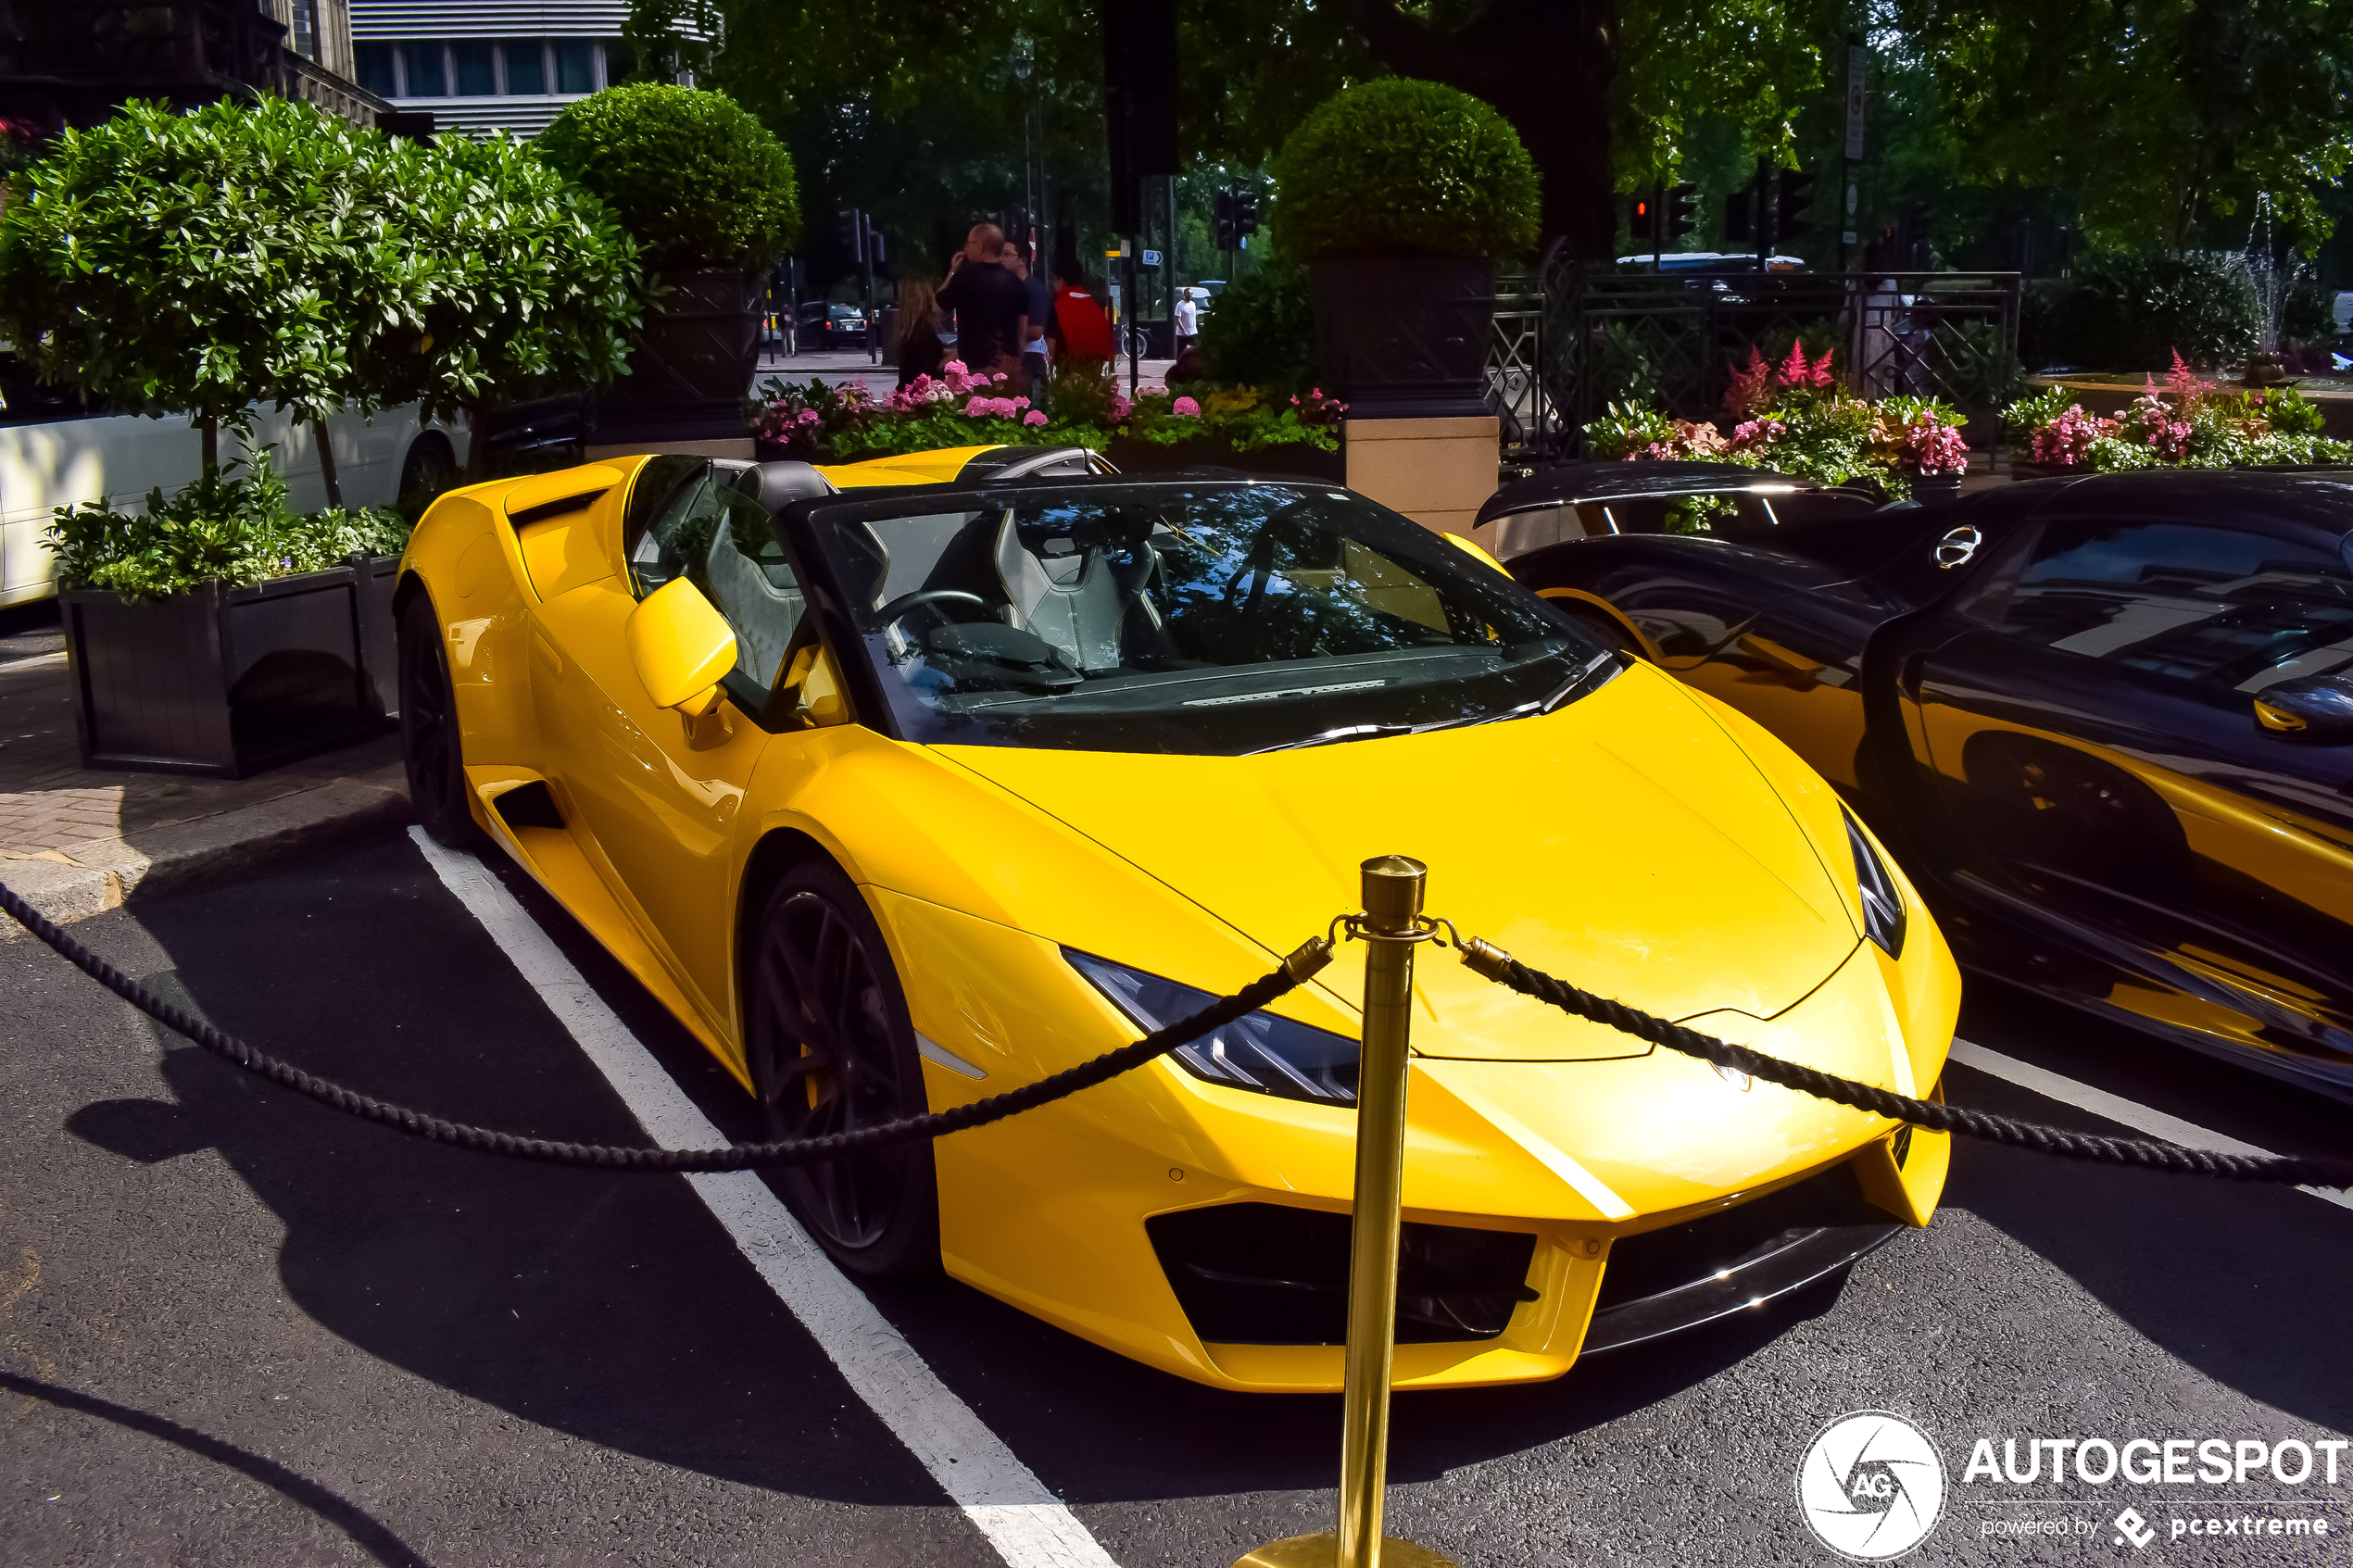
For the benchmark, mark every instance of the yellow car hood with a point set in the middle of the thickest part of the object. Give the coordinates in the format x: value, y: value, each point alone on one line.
x: 1624, y: 843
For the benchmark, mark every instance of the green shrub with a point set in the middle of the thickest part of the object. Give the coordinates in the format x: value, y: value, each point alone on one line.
x: 691, y: 174
x: 2134, y: 310
x: 1261, y: 331
x: 226, y: 527
x: 1402, y: 167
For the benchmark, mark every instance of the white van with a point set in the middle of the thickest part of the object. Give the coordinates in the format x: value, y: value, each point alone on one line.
x: 48, y: 461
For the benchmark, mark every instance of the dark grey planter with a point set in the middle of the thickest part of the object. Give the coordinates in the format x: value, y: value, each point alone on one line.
x: 226, y: 681
x: 692, y: 367
x: 1130, y: 455
x: 1404, y: 337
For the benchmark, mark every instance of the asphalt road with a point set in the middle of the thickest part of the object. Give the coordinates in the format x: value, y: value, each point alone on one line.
x: 238, y: 1329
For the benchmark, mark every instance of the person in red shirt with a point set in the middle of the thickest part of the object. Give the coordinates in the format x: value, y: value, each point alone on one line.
x: 1079, y: 329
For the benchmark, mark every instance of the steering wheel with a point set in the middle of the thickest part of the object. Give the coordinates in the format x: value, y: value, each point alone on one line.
x: 898, y: 609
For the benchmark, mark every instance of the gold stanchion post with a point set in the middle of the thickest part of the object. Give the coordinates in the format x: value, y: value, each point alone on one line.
x: 1390, y: 926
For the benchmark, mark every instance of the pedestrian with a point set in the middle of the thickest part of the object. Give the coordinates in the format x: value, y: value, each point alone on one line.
x: 1188, y: 321
x: 1079, y: 328
x: 1020, y: 258
x: 921, y: 350
x: 991, y: 306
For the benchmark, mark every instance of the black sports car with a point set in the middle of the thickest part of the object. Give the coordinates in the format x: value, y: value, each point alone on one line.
x: 2108, y: 723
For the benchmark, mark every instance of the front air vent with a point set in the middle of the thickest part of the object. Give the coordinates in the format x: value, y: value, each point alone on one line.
x: 1262, y: 1273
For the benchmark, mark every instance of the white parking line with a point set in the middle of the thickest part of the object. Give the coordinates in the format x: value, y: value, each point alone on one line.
x: 1029, y: 1527
x: 2115, y: 1108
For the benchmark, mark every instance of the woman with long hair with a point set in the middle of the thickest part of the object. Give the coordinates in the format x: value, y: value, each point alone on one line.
x: 921, y: 352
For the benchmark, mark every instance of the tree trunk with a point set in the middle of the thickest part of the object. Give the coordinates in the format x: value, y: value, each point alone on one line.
x: 210, y: 428
x: 327, y: 464
x: 1545, y: 66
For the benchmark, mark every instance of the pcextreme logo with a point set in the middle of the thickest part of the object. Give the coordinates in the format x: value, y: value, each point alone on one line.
x: 1871, y: 1486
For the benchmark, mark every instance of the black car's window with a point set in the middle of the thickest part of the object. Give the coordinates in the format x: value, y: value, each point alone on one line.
x: 684, y: 521
x: 1217, y: 619
x: 2225, y: 610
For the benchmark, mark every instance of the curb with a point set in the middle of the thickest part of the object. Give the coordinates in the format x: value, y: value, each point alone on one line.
x: 99, y: 874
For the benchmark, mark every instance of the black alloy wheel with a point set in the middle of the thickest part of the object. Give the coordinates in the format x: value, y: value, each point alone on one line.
x: 429, y: 741
x: 831, y: 1049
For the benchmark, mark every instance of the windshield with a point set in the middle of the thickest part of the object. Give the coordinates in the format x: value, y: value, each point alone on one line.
x: 1216, y: 618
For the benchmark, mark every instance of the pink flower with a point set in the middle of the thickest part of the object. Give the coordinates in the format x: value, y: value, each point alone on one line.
x: 1000, y: 376
x: 1035, y: 417
x: 1185, y: 406
x: 1120, y: 408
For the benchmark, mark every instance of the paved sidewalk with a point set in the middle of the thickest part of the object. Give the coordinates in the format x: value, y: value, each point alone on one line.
x: 75, y: 841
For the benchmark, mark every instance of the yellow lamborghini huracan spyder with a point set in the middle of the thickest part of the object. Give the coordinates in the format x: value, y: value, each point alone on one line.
x: 907, y: 784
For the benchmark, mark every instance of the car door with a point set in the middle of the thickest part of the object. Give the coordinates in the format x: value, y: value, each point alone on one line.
x: 2088, y: 716
x: 657, y: 793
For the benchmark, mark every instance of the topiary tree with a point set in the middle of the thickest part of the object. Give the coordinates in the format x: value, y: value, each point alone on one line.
x: 692, y: 175
x: 202, y: 263
x: 1402, y: 167
x: 511, y: 282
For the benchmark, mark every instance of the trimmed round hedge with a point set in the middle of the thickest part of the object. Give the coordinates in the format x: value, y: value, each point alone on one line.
x: 694, y: 178
x: 1403, y: 168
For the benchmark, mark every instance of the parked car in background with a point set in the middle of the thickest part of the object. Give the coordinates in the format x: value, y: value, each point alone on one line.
x: 825, y: 326
x: 2106, y: 722
x: 56, y: 452
x: 1592, y: 499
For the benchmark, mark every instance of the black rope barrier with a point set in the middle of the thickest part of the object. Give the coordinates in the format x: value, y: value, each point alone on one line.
x: 2295, y: 1169
x: 1291, y: 972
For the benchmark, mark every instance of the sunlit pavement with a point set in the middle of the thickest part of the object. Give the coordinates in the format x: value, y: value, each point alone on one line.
x: 238, y: 1329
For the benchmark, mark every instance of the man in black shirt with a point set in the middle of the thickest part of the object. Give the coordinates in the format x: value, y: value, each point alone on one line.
x: 991, y: 306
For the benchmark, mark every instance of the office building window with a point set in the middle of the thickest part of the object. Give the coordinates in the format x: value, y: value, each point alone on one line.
x: 304, y: 37
x: 374, y: 65
x: 619, y: 62
x: 477, y: 70
x: 423, y: 64
x: 526, y: 68
x: 575, y: 66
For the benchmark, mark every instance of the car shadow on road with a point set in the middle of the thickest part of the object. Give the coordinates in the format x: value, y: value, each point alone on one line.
x: 2246, y: 1284
x: 613, y: 1308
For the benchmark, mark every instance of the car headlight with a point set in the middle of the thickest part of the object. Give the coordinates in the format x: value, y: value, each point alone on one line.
x: 1883, y: 904
x: 1269, y: 1055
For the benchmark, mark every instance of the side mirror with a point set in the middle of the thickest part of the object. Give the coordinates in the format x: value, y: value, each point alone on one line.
x: 680, y: 646
x: 2318, y: 708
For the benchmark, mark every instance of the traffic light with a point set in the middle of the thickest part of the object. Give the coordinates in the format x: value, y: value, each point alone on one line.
x: 1643, y: 217
x: 1682, y: 211
x: 853, y: 232
x: 1228, y: 230
x: 1245, y: 213
x: 1790, y: 219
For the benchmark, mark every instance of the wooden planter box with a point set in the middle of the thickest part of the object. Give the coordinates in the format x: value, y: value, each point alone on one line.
x: 1129, y: 456
x: 226, y: 681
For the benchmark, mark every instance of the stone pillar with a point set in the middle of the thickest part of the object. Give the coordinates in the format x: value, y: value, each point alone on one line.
x: 1438, y: 471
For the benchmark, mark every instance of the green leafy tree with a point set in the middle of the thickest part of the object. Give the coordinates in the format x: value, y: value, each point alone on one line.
x: 919, y: 111
x: 690, y: 174
x: 511, y: 282
x: 202, y: 263
x: 2158, y: 117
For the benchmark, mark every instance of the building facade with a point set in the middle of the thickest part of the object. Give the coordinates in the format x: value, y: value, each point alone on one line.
x: 485, y: 65
x: 66, y: 64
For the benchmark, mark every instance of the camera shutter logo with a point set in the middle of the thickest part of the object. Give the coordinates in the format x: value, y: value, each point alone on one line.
x: 1871, y: 1486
